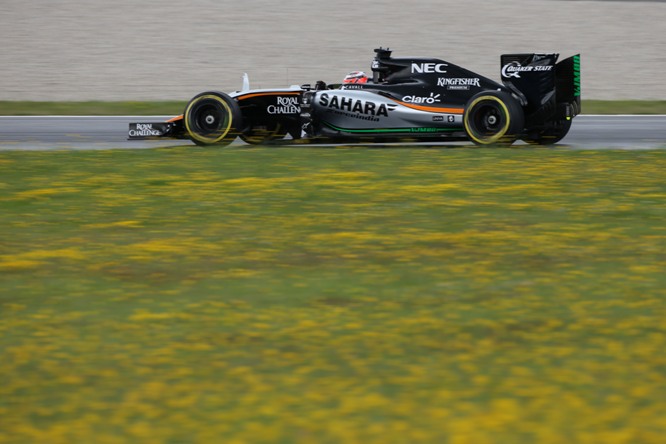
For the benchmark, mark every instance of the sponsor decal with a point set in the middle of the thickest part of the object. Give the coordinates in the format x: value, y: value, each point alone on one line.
x: 284, y: 105
x: 514, y: 69
x: 457, y: 83
x: 432, y: 98
x: 356, y: 108
x: 450, y: 119
x: 352, y: 86
x: 426, y: 130
x: 144, y: 130
x: 393, y: 130
x: 428, y: 68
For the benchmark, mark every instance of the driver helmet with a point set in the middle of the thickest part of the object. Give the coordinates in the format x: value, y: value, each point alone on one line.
x: 356, y: 77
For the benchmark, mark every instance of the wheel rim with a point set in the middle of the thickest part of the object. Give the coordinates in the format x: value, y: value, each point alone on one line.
x: 208, y: 119
x: 488, y: 119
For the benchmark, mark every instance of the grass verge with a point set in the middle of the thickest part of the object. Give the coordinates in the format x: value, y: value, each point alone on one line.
x: 332, y: 295
x: 176, y: 107
x: 166, y: 108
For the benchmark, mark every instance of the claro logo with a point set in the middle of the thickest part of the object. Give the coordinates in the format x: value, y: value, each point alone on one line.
x: 428, y: 68
x: 432, y: 98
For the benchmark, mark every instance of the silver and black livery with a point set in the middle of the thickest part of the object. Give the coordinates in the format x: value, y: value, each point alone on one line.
x: 422, y: 99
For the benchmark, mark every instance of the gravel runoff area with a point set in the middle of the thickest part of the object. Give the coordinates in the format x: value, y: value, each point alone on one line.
x: 156, y: 49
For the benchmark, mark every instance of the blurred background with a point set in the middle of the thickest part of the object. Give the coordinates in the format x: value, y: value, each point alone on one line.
x: 159, y: 50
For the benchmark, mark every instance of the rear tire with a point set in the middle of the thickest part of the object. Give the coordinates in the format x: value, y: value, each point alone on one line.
x: 212, y: 118
x: 493, y: 118
x: 550, y: 136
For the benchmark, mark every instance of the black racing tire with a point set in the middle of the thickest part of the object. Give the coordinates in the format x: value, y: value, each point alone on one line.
x: 212, y: 118
x: 550, y: 136
x: 493, y: 118
x: 256, y: 135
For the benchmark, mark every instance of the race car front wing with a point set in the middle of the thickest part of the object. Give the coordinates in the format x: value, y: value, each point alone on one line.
x: 172, y: 128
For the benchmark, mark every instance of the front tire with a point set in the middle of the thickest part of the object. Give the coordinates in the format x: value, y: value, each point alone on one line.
x: 212, y: 118
x: 493, y: 118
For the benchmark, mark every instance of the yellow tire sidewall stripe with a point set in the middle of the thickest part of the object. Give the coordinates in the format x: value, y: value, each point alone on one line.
x: 500, y: 134
x: 206, y: 139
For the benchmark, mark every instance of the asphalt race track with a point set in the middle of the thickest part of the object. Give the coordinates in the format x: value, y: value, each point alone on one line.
x: 96, y: 132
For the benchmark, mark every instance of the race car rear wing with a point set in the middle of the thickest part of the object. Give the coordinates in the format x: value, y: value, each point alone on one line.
x: 544, y: 86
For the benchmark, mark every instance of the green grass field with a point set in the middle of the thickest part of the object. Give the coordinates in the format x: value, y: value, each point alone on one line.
x: 13, y: 108
x: 333, y: 295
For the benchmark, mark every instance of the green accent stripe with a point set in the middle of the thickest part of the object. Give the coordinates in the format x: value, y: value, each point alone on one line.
x: 576, y: 79
x: 419, y: 130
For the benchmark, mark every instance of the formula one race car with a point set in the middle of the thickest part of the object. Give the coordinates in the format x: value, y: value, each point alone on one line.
x: 416, y: 99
